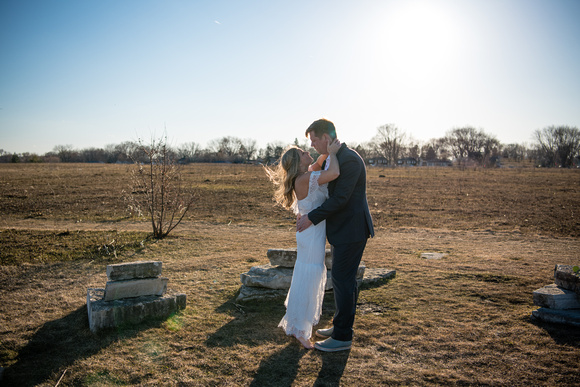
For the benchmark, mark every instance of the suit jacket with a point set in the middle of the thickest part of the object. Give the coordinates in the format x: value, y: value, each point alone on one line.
x: 346, y: 210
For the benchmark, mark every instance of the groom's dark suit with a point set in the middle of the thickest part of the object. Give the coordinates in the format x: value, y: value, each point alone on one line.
x: 348, y: 226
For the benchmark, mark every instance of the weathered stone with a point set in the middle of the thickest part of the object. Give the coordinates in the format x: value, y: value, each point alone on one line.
x: 432, y: 255
x: 372, y: 276
x: 565, y: 277
x: 134, y: 270
x: 116, y: 290
x: 268, y: 276
x: 249, y: 293
x: 276, y: 277
x: 110, y: 314
x: 558, y: 316
x: 555, y: 297
x: 287, y: 257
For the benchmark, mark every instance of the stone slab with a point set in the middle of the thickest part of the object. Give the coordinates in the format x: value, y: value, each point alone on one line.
x: 370, y: 276
x: 268, y: 276
x: 249, y: 293
x: 134, y: 270
x: 287, y: 257
x: 565, y: 277
x: 554, y: 297
x: 116, y: 290
x: 110, y: 314
x: 433, y: 255
x: 558, y: 316
x: 374, y: 275
x: 276, y: 277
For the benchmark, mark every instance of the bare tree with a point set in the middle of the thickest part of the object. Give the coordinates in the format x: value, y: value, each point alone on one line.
x: 470, y: 143
x: 248, y: 149
x: 157, y: 188
x: 188, y: 151
x: 226, y: 148
x: 65, y: 153
x: 435, y: 149
x: 558, y: 145
x: 515, y: 152
x: 389, y: 142
x: 272, y: 152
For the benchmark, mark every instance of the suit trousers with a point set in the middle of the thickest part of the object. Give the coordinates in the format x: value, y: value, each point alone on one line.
x: 345, y: 261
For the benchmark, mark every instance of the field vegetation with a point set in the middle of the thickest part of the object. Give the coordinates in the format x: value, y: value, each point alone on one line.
x: 461, y: 320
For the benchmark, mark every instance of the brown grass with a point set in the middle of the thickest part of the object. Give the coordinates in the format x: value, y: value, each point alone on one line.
x: 461, y: 320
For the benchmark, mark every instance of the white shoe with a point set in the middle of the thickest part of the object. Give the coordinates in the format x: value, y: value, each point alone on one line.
x: 325, y: 333
x: 332, y: 345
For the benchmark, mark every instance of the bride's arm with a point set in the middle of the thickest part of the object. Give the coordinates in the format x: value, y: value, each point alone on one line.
x: 333, y: 170
x: 317, y: 166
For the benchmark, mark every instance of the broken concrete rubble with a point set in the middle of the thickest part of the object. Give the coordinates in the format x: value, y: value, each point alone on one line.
x: 274, y: 279
x: 559, y: 302
x: 130, y: 297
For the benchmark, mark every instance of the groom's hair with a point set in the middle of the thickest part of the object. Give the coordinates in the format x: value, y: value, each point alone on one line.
x: 322, y: 126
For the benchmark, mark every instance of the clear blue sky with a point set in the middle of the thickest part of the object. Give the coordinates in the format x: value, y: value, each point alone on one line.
x: 90, y: 73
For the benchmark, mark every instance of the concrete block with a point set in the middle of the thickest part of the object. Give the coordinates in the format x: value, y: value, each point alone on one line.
x: 268, y: 276
x: 110, y: 314
x: 372, y: 276
x: 249, y: 293
x: 134, y: 270
x: 276, y: 277
x: 565, y: 278
x: 116, y: 290
x: 287, y: 257
x: 558, y: 316
x: 433, y: 255
x: 555, y: 297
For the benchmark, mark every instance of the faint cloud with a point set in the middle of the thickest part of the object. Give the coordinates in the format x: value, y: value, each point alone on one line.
x: 217, y: 22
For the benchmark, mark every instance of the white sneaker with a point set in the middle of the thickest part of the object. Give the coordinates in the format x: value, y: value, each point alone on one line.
x: 325, y: 333
x: 332, y: 345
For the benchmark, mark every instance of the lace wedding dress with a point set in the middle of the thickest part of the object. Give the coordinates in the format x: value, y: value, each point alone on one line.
x: 304, y: 300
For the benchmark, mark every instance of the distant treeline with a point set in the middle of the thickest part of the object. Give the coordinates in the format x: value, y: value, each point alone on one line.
x: 553, y: 146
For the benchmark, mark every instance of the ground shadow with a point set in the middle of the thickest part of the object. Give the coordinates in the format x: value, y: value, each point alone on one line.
x: 375, y: 283
x: 561, y: 334
x: 333, y: 365
x: 257, y: 321
x: 58, y: 344
x: 254, y: 322
x: 281, y: 368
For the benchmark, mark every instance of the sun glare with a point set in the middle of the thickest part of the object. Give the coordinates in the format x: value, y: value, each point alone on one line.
x: 418, y: 39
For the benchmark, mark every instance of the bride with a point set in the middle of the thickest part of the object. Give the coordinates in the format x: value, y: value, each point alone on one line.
x: 302, y: 187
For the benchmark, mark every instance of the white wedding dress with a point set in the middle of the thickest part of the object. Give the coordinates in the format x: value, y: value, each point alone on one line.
x: 304, y: 300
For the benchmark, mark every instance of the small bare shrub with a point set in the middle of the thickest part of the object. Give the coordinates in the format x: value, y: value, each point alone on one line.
x: 157, y: 187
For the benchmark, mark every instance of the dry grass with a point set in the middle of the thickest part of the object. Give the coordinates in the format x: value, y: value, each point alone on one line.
x: 461, y: 320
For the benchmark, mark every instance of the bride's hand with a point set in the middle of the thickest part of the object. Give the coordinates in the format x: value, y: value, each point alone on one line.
x: 334, y: 146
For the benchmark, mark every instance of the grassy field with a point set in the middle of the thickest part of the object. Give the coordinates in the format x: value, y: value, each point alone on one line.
x: 461, y: 320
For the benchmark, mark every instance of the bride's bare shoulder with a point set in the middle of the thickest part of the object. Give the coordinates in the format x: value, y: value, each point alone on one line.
x: 301, y: 185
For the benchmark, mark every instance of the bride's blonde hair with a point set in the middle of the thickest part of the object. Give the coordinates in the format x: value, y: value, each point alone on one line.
x: 283, y: 175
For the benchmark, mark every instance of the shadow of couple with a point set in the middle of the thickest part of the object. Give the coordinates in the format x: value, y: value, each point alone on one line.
x: 281, y: 368
x: 256, y: 322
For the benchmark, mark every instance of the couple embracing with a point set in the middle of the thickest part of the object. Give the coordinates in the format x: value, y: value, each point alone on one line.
x: 329, y: 198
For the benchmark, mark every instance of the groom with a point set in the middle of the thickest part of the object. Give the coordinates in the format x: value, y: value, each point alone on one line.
x: 348, y: 226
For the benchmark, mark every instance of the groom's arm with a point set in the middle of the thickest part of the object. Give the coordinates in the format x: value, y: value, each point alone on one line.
x: 349, y: 174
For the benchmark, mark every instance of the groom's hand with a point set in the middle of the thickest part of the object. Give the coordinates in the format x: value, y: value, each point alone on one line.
x: 302, y: 223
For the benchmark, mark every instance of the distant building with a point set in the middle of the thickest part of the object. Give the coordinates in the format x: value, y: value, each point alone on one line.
x: 378, y: 162
x: 407, y: 162
x: 435, y: 163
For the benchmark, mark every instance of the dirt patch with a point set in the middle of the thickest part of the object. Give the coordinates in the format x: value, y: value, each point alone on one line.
x: 464, y: 319
x: 533, y: 201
